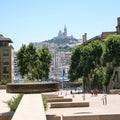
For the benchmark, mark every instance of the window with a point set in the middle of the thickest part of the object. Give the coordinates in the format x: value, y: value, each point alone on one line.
x: 6, y: 69
x: 6, y: 61
x: 3, y: 44
x: 6, y: 52
x: 6, y: 77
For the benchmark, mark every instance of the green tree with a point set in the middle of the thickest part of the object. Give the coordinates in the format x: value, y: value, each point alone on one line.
x: 97, y: 51
x: 45, y: 58
x: 98, y: 78
x: 84, y: 60
x: 91, y: 59
x: 34, y: 63
x: 21, y: 60
x: 87, y: 61
x: 76, y: 66
x: 31, y: 58
x: 111, y: 58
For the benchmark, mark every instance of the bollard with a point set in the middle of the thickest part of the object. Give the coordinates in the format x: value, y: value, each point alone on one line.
x: 83, y: 96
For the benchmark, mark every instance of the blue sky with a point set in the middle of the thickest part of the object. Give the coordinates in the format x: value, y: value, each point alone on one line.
x: 26, y: 21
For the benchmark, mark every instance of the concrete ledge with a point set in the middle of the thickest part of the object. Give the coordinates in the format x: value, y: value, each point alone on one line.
x: 69, y: 104
x: 115, y: 91
x: 60, y: 100
x: 58, y: 97
x: 92, y: 117
x: 53, y: 117
x: 109, y: 117
x: 32, y: 87
x: 53, y: 96
x: 87, y: 117
x: 30, y: 108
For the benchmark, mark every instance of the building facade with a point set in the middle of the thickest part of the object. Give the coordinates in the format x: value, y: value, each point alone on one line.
x: 6, y: 59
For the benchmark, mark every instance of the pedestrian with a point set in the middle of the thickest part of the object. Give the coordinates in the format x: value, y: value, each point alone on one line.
x: 92, y: 92
x: 96, y: 92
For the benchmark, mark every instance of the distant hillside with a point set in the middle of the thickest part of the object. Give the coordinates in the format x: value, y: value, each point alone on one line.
x: 62, y: 41
x: 65, y: 48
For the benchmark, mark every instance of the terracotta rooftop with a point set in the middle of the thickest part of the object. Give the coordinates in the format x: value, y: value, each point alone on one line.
x: 101, y: 37
x: 2, y: 38
x: 105, y: 34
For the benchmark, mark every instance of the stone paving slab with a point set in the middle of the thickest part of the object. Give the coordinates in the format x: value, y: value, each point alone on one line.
x: 96, y: 105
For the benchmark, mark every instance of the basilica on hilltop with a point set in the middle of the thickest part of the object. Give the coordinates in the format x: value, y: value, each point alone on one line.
x: 63, y: 34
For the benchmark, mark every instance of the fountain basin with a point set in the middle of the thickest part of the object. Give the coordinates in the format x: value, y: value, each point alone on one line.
x: 27, y: 88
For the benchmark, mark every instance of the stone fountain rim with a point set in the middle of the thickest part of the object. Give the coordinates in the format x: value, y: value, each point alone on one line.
x: 33, y: 83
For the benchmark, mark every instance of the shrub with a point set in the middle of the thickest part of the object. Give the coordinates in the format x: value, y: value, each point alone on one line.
x: 29, y: 80
x: 3, y: 82
x: 44, y: 98
x: 14, y: 102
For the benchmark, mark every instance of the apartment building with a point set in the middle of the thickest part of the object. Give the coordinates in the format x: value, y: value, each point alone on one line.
x: 6, y: 59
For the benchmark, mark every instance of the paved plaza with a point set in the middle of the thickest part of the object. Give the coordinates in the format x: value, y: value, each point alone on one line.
x: 96, y: 104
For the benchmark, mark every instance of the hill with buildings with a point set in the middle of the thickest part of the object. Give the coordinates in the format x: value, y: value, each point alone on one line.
x: 62, y: 42
x: 63, y: 38
x: 61, y: 49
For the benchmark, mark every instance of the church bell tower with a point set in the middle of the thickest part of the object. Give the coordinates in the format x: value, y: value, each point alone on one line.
x: 65, y: 30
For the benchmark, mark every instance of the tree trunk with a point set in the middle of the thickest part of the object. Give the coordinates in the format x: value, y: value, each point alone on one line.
x: 111, y: 80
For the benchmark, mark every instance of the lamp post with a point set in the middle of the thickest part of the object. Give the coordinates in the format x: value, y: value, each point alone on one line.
x: 63, y: 75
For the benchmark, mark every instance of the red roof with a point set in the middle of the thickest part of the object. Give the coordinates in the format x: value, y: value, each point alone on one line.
x: 105, y: 34
x: 102, y: 36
